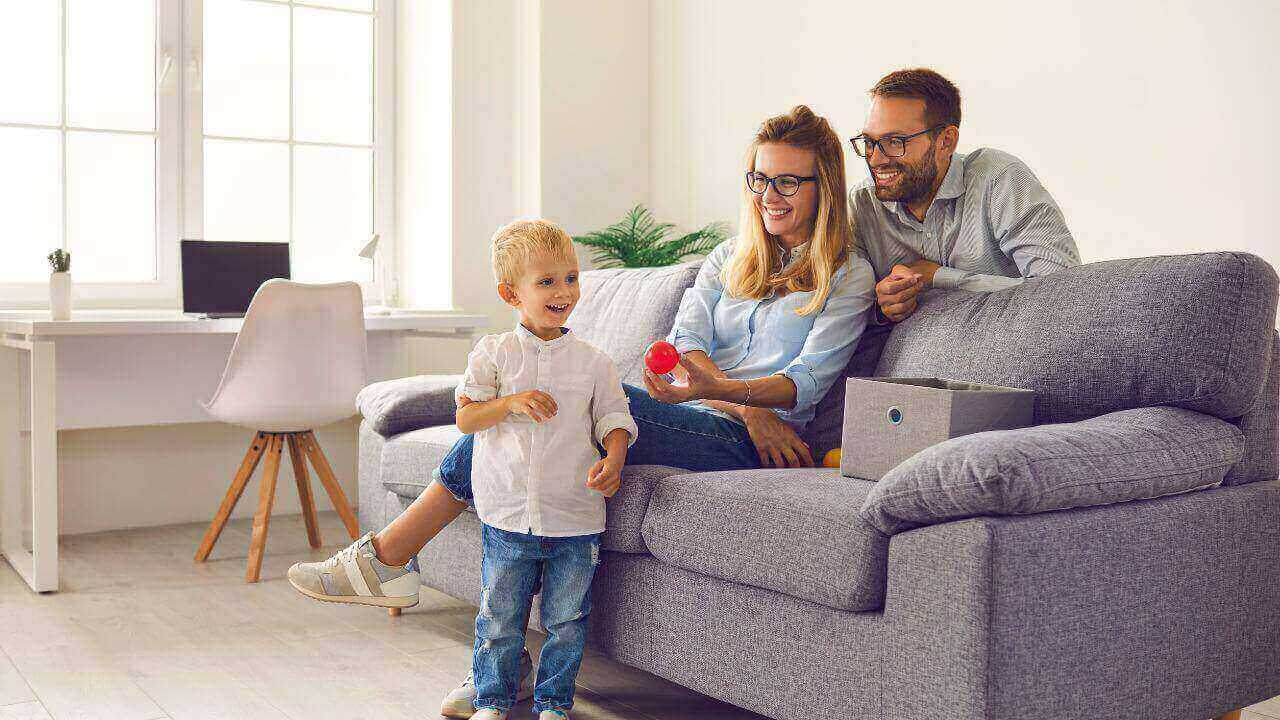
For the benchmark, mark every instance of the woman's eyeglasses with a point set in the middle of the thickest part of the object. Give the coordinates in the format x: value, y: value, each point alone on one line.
x: 784, y: 185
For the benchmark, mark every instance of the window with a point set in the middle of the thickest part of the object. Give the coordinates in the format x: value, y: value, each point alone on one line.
x: 136, y: 123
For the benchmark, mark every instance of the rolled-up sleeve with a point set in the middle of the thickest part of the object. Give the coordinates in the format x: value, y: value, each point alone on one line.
x: 610, y: 408
x: 694, y: 327
x: 834, y: 337
x: 480, y: 380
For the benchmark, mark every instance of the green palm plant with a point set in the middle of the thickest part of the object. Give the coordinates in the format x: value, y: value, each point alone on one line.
x: 638, y: 241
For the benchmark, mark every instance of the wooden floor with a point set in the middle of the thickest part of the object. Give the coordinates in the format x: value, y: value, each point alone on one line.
x: 141, y: 632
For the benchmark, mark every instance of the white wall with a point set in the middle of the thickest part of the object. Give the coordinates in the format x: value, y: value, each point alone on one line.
x: 1186, y: 88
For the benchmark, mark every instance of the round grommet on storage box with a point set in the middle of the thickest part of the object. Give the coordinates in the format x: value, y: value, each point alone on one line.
x: 895, y: 415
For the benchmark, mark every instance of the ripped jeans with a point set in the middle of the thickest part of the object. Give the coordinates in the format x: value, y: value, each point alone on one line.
x: 510, y: 568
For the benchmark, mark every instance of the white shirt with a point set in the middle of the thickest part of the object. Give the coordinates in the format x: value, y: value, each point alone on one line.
x: 532, y: 477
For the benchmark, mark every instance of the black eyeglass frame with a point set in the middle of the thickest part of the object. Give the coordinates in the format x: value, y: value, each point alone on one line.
x: 800, y: 180
x: 872, y: 143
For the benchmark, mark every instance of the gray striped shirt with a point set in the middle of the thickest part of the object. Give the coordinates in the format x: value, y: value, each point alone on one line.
x: 991, y: 224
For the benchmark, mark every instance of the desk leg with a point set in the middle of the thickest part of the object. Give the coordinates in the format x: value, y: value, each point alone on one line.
x: 39, y: 567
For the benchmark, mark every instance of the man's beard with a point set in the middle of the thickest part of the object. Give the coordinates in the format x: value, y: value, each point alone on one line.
x: 915, y: 184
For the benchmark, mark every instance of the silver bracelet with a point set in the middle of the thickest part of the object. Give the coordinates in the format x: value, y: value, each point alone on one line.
x: 747, y: 385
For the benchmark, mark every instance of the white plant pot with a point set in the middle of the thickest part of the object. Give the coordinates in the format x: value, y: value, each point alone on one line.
x: 60, y: 295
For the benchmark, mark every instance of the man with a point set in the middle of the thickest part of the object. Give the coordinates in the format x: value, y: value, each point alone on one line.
x: 932, y: 217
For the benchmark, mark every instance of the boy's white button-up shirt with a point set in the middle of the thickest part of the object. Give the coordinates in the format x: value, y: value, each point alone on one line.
x: 532, y: 477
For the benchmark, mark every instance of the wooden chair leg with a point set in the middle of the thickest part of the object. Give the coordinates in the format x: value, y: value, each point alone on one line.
x: 394, y: 612
x: 247, y: 466
x: 304, y: 490
x: 1233, y: 715
x: 325, y: 473
x: 266, y: 498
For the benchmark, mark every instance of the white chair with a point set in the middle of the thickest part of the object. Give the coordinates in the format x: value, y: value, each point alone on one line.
x: 297, y: 364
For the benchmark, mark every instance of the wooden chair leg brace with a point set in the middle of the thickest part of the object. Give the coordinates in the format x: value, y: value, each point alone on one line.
x: 302, y: 446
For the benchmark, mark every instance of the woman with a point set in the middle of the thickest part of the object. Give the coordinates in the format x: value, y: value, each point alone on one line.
x: 771, y: 321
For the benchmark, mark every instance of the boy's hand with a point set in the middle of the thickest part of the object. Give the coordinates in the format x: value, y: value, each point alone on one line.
x: 605, y: 477
x: 538, y: 405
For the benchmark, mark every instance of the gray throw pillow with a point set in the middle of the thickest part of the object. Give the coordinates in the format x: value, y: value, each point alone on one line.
x: 392, y: 407
x: 1118, y: 457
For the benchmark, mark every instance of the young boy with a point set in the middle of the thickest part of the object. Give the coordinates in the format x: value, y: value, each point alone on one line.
x: 538, y: 400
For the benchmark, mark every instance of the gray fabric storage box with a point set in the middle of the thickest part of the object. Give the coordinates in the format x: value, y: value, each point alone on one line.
x: 887, y: 420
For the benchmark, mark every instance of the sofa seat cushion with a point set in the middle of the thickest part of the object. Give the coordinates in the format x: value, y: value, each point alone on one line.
x: 410, y: 459
x: 797, y: 532
x: 1122, y: 456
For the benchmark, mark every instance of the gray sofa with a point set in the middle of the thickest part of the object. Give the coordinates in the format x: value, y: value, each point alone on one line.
x: 1092, y: 582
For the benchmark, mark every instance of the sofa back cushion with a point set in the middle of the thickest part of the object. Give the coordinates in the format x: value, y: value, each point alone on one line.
x: 623, y: 310
x: 1193, y: 331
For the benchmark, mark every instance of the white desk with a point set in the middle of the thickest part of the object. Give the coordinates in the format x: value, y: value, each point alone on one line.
x: 124, y: 368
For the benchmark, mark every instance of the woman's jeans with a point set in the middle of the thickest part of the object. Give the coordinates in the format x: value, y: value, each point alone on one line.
x: 673, y: 435
x: 511, y: 565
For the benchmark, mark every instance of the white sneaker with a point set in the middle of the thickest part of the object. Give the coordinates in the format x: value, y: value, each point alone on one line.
x: 355, y: 575
x: 459, y: 702
x: 489, y: 714
x: 554, y: 714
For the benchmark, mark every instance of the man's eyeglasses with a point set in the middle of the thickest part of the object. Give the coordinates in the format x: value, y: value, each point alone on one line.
x: 785, y: 185
x: 891, y: 146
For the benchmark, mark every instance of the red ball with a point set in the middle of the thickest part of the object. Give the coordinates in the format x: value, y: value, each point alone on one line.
x: 662, y: 357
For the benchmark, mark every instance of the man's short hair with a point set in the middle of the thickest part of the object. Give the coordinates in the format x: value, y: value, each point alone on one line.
x: 941, y: 97
x: 517, y: 241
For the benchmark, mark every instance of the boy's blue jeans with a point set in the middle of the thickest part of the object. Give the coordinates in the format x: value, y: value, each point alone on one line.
x: 669, y: 435
x: 510, y: 568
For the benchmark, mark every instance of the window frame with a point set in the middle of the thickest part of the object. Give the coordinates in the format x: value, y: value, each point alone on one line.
x: 179, y: 131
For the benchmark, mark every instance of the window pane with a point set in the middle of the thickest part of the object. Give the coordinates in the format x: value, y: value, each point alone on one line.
x: 111, y: 206
x: 246, y: 69
x: 30, y: 42
x: 333, y: 76
x: 366, y: 5
x: 30, y: 203
x: 333, y: 206
x: 111, y: 68
x: 246, y: 190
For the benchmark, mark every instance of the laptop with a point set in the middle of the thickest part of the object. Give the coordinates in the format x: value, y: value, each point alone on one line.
x: 220, y: 278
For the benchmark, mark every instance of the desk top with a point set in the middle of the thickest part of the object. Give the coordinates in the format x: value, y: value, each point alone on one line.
x: 35, y: 323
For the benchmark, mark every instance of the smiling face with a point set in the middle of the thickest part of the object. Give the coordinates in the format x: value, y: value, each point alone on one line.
x: 914, y: 177
x: 790, y: 219
x: 545, y: 293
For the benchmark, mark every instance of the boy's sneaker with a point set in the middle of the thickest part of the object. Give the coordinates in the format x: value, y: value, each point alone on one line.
x: 458, y: 703
x: 355, y: 575
x: 554, y: 714
x: 490, y: 714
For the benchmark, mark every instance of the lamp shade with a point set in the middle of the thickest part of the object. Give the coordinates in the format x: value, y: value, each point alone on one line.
x: 369, y: 248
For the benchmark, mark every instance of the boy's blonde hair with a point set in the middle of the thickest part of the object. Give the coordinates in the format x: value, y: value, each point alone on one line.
x: 519, y: 240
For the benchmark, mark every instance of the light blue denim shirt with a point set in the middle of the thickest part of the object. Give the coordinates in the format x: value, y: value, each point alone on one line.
x: 749, y: 338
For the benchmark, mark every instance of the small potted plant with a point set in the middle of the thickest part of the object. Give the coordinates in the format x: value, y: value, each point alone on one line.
x: 638, y: 241
x: 60, y: 284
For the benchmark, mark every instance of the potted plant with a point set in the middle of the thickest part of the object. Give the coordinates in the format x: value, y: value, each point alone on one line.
x: 637, y: 241
x: 60, y: 285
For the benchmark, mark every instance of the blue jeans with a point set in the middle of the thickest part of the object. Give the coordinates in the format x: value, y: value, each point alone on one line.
x: 672, y: 435
x: 511, y: 565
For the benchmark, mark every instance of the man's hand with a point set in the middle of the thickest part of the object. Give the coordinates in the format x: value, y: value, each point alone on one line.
x: 776, y: 442
x: 605, y: 477
x: 896, y: 294
x: 538, y: 405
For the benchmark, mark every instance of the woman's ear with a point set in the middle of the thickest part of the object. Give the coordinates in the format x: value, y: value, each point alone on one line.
x: 508, y: 294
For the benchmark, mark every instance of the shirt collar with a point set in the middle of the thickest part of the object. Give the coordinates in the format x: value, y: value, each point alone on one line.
x: 792, y: 255
x: 528, y: 338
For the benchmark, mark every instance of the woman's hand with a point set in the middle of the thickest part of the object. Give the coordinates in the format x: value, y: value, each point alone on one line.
x: 700, y: 384
x: 776, y: 442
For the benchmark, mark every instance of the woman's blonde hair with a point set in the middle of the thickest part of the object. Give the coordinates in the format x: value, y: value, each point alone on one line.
x: 750, y: 271
x: 516, y: 242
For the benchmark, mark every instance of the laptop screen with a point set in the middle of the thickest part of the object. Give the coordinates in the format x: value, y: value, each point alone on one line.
x: 221, y: 277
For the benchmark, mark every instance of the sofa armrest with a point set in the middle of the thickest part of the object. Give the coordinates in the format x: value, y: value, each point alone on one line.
x: 1122, y: 456
x: 396, y: 406
x: 1161, y: 608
